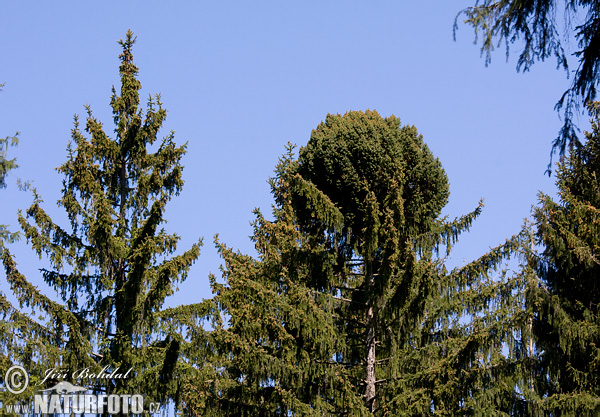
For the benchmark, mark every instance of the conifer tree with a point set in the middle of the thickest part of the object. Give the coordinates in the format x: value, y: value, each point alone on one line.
x: 114, y: 265
x: 565, y: 300
x: 349, y: 310
x: 272, y: 342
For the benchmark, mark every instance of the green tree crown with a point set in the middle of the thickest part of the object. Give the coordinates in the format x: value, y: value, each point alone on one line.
x: 114, y: 265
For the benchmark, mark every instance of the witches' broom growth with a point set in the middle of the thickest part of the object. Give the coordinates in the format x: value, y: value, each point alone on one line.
x: 113, y: 265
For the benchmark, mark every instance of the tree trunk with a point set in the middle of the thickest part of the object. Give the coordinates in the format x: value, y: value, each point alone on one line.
x: 370, y: 343
x: 370, y: 377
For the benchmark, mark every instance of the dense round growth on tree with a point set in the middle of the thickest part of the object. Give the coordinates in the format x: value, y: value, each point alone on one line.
x: 364, y: 162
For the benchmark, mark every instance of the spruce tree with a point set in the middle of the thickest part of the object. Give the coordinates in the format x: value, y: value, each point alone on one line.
x: 565, y: 299
x: 390, y: 189
x: 114, y: 265
x: 269, y: 349
x: 349, y: 309
x: 412, y: 327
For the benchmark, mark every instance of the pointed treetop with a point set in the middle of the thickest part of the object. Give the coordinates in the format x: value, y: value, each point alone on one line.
x: 125, y: 107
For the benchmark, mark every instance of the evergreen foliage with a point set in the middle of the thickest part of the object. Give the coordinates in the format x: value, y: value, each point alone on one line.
x: 566, y: 300
x: 536, y: 24
x: 272, y: 340
x: 349, y: 309
x: 113, y: 267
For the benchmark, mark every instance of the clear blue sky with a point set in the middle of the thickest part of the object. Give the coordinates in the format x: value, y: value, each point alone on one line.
x: 241, y: 79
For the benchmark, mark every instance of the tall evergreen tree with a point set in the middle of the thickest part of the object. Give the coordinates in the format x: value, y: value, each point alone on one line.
x: 349, y: 310
x: 113, y: 267
x: 565, y: 301
x: 390, y: 189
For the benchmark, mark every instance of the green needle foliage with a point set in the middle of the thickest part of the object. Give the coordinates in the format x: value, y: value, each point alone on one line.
x: 566, y: 301
x: 269, y: 349
x: 349, y: 309
x: 113, y: 267
x: 542, y: 27
x: 389, y: 188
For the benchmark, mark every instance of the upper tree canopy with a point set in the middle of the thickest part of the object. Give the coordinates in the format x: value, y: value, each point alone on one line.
x: 363, y: 162
x: 349, y: 309
x: 389, y: 189
x: 566, y: 302
x: 542, y: 26
x: 114, y: 265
